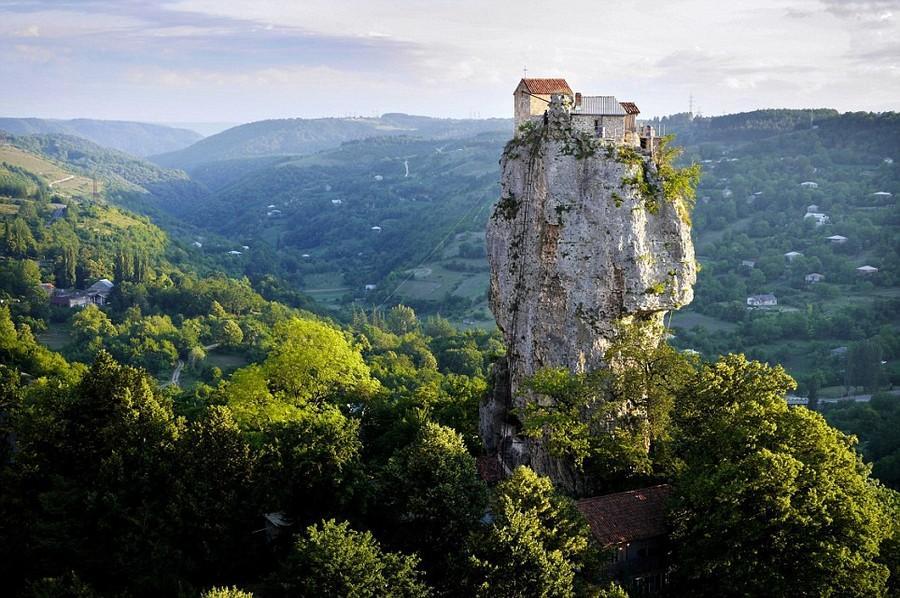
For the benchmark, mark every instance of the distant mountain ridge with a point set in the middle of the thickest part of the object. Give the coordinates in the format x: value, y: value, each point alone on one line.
x: 297, y: 136
x: 135, y: 138
x: 127, y: 175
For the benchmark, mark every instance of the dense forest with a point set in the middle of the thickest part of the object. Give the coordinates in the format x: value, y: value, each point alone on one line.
x: 209, y: 430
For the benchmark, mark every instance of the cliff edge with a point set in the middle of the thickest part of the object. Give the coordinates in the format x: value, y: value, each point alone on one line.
x: 584, y: 236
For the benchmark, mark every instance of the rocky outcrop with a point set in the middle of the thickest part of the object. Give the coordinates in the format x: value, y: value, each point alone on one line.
x: 581, y: 238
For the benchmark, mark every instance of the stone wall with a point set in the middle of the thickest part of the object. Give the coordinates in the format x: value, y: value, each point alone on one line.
x: 615, y: 125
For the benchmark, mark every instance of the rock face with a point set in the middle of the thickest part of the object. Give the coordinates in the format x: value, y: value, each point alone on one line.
x: 575, y: 245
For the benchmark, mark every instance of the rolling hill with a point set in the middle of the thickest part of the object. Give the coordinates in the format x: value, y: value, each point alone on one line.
x: 137, y: 139
x: 131, y: 180
x: 299, y: 136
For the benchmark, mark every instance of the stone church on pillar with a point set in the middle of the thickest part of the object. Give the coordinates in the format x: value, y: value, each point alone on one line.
x: 601, y: 116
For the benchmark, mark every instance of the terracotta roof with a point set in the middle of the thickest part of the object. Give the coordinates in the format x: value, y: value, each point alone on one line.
x: 630, y: 107
x: 627, y: 516
x: 546, y: 86
x: 489, y: 468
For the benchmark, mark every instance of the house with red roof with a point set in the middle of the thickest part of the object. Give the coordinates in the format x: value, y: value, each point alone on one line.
x: 632, y: 527
x: 532, y: 97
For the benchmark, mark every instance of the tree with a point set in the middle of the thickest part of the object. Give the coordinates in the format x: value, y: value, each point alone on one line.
x: 401, y: 320
x: 611, y: 423
x: 313, y: 361
x: 864, y: 365
x: 309, y: 461
x: 231, y: 334
x: 213, y: 496
x: 100, y: 459
x: 431, y: 494
x: 762, y: 483
x: 226, y: 592
x: 534, y: 545
x: 333, y: 560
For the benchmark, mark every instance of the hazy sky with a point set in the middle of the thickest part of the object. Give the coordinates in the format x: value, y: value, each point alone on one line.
x: 221, y: 60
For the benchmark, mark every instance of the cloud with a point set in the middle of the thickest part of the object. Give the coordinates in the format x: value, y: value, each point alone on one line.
x: 34, y: 54
x: 444, y: 57
x: 30, y: 31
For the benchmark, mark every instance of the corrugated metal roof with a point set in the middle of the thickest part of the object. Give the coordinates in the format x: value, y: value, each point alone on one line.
x: 630, y: 107
x: 601, y: 106
x: 546, y: 86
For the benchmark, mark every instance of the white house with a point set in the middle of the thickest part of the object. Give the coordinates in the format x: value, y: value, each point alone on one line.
x: 233, y: 252
x: 371, y: 287
x: 376, y: 229
x: 812, y: 208
x: 748, y: 263
x: 837, y: 239
x: 866, y: 270
x: 99, y: 291
x: 765, y: 300
x: 809, y: 185
x: 336, y: 202
x: 792, y: 255
x: 819, y: 217
x: 794, y: 400
x: 882, y: 194
x: 814, y: 277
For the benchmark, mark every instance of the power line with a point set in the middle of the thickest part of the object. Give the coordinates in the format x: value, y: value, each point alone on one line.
x: 430, y: 253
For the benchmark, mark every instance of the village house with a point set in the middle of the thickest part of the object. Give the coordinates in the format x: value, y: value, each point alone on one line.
x: 813, y: 278
x: 748, y: 263
x: 809, y: 185
x: 632, y: 527
x: 792, y: 255
x: 100, y: 291
x: 70, y: 299
x: 532, y: 97
x: 812, y: 208
x: 820, y: 218
x: 764, y: 300
x: 866, y: 270
x: 837, y: 239
x: 795, y: 401
x: 96, y: 294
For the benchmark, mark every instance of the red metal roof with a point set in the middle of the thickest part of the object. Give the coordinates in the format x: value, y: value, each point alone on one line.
x: 627, y: 516
x: 630, y: 107
x: 546, y: 86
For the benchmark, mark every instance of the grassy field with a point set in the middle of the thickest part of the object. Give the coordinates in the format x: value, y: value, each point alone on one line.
x: 688, y: 319
x: 226, y: 362
x: 62, y: 181
x: 57, y: 335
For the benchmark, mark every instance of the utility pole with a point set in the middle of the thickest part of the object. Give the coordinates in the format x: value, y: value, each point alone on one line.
x: 524, y: 72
